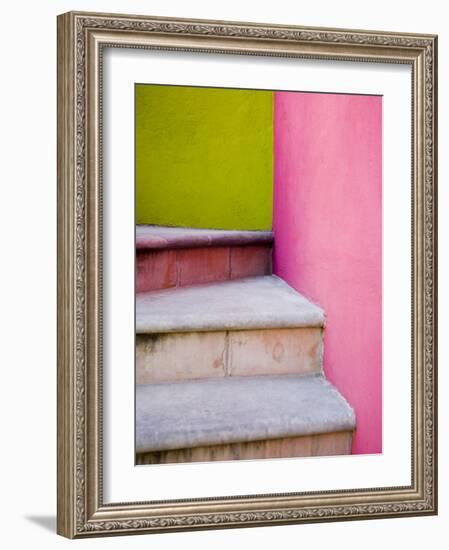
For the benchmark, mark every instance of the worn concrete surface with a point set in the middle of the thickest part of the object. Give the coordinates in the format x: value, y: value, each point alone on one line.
x: 193, y: 355
x: 275, y: 351
x: 180, y: 356
x: 198, y: 413
x: 331, y: 444
x: 157, y: 237
x: 252, y: 303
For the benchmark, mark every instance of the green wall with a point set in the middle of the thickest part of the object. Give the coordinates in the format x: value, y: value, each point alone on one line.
x: 204, y: 157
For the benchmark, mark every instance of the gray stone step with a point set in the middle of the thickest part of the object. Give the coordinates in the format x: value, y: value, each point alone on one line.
x: 154, y: 237
x: 205, y: 413
x: 243, y: 304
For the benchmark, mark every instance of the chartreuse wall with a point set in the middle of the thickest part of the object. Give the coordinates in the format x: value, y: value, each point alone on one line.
x: 204, y: 157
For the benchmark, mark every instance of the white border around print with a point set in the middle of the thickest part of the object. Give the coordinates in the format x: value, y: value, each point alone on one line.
x: 124, y: 482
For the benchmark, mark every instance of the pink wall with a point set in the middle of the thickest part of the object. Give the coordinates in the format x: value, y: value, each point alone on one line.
x: 327, y: 222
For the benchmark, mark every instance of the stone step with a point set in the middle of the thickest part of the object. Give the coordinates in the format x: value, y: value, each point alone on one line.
x: 175, y: 256
x: 252, y: 417
x: 254, y: 326
x: 252, y: 303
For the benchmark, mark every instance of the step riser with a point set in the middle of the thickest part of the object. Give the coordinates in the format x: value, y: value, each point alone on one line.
x: 329, y: 444
x: 195, y: 355
x: 159, y: 269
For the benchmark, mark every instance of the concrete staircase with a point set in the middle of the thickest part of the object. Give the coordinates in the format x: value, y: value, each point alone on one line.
x: 228, y: 356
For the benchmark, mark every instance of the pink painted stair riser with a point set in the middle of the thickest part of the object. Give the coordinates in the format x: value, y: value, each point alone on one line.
x: 158, y: 269
x: 168, y: 257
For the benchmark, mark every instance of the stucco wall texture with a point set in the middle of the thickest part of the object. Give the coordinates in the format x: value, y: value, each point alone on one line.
x: 327, y: 225
x: 204, y: 157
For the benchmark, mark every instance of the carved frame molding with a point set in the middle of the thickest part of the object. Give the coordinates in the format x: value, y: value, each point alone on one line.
x: 81, y: 39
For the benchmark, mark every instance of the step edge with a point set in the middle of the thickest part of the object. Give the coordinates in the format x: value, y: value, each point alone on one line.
x: 345, y: 423
x: 235, y: 326
x: 219, y: 239
x: 306, y: 314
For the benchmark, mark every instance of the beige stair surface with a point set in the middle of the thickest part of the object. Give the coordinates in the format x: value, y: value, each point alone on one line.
x: 209, y: 414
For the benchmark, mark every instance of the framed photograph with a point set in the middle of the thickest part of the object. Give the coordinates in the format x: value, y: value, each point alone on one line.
x: 247, y: 271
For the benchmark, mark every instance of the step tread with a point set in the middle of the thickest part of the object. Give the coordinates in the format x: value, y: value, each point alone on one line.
x: 160, y: 237
x: 242, y: 304
x: 179, y: 415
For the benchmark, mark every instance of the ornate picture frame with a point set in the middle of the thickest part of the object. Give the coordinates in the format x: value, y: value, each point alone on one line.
x: 82, y: 39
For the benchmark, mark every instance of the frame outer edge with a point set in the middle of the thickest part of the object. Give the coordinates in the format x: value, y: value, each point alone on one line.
x: 435, y: 270
x: 66, y: 287
x: 79, y: 492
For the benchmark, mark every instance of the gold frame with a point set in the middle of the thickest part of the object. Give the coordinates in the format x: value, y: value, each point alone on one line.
x: 81, y: 38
